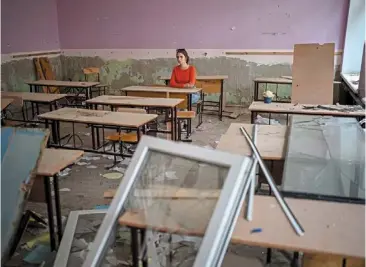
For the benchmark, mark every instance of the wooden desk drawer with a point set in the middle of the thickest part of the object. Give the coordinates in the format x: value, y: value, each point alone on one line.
x: 209, y: 86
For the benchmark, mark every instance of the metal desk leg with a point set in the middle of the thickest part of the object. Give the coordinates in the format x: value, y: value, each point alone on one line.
x: 189, y: 126
x: 269, y: 255
x: 47, y: 190
x: 32, y: 105
x: 142, y: 240
x: 53, y: 128
x: 58, y: 208
x: 172, y: 126
x: 176, y: 123
x: 252, y: 117
x: 221, y: 100
x: 134, y: 247
x: 46, y: 127
x: 88, y: 93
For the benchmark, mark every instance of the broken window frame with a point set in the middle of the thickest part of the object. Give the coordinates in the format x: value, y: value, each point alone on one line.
x: 222, y: 221
x: 63, y: 252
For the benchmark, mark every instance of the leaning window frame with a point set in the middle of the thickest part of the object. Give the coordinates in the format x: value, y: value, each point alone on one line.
x: 64, y: 249
x: 218, y: 229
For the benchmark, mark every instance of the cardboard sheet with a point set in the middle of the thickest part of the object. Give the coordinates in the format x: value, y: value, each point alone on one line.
x: 313, y: 74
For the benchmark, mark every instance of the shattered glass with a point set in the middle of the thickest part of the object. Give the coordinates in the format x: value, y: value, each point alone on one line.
x: 325, y: 158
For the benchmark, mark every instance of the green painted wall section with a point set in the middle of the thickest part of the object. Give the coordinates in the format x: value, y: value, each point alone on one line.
x: 118, y: 74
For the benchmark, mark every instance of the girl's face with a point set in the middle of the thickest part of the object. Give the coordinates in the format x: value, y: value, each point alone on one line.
x: 181, y: 58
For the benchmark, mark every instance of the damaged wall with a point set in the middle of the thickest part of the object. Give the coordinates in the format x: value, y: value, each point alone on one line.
x: 134, y: 41
x: 14, y: 73
x: 125, y: 72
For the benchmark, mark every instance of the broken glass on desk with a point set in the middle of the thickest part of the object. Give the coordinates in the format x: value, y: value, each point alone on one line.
x: 325, y: 159
x: 171, y: 190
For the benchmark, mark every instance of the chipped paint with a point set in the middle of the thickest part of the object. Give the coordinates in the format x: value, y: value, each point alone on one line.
x: 119, y: 69
x: 15, y: 73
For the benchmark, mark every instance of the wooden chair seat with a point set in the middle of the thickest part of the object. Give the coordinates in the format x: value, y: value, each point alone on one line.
x: 186, y: 114
x: 124, y: 137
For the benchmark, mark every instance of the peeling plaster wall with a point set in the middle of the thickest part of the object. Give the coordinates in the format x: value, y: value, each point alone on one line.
x: 14, y: 73
x: 133, y: 42
x: 238, y: 88
x: 122, y: 73
x: 119, y: 70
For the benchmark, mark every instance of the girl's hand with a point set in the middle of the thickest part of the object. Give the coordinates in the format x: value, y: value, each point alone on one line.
x: 188, y: 85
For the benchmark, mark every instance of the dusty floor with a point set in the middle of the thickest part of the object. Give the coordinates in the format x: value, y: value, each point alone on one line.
x: 82, y: 187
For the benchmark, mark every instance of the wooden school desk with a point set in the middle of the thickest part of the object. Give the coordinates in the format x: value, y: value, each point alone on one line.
x: 35, y: 99
x: 335, y: 229
x: 284, y: 80
x: 169, y: 104
x: 266, y: 81
x: 273, y: 142
x: 94, y: 118
x: 165, y: 92
x: 213, y: 84
x: 52, y: 161
x: 70, y: 86
x: 305, y: 109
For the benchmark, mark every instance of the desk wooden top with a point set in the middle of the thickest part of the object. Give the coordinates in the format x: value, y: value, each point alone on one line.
x: 290, y: 108
x: 273, y: 80
x: 99, y: 117
x: 53, y: 161
x: 271, y: 141
x: 330, y: 227
x: 34, y: 97
x: 135, y: 101
x: 63, y: 83
x: 5, y: 102
x: 162, y: 89
x: 202, y: 77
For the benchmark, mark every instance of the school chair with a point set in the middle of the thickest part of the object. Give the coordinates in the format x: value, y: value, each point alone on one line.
x: 125, y: 139
x: 92, y: 71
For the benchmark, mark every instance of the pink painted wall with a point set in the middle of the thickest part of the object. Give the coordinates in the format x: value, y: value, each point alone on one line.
x: 29, y: 25
x: 160, y: 24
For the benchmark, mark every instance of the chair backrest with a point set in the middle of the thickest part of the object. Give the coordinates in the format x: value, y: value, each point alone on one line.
x: 132, y: 110
x: 91, y: 71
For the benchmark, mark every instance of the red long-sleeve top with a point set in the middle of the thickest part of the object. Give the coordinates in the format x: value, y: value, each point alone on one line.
x: 181, y: 77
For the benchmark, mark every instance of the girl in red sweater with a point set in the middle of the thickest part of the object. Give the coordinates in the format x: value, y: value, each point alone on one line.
x: 184, y: 75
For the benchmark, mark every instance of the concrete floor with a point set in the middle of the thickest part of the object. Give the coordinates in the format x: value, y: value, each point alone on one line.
x: 83, y: 186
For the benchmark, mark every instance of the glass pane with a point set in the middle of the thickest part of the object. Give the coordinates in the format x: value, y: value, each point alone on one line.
x: 173, y: 198
x: 325, y: 158
x: 85, y: 232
